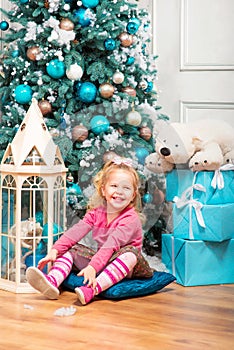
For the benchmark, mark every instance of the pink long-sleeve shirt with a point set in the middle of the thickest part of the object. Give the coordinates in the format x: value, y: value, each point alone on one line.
x: 124, y: 230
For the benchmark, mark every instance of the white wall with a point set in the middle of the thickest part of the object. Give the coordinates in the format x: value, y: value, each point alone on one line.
x: 194, y: 41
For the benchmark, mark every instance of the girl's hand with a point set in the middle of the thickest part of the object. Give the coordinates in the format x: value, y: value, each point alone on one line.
x: 89, y: 274
x: 50, y: 257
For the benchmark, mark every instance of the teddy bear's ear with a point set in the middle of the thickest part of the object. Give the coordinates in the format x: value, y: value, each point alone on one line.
x: 197, y: 143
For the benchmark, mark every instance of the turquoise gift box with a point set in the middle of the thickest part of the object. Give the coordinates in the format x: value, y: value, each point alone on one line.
x: 196, y: 263
x: 217, y: 219
x: 178, y: 181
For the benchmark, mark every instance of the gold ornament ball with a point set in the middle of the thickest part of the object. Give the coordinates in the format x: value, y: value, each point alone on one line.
x: 106, y: 90
x: 109, y: 155
x: 133, y: 118
x: 45, y: 107
x: 66, y: 24
x: 79, y: 133
x: 32, y: 52
x: 130, y: 91
x: 145, y: 133
x: 118, y: 77
x: 126, y: 39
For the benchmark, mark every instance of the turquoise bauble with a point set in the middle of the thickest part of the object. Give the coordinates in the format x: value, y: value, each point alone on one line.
x: 90, y: 3
x: 63, y: 123
x: 147, y: 198
x: 4, y: 25
x: 141, y: 154
x: 15, y: 53
x: 23, y: 94
x: 149, y: 86
x: 56, y: 69
x: 82, y: 17
x: 110, y: 44
x: 133, y: 25
x: 130, y: 61
x: 74, y: 189
x: 24, y: 1
x: 99, y: 124
x: 87, y: 92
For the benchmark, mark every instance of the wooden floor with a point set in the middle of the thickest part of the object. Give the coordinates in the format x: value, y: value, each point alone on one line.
x: 175, y: 318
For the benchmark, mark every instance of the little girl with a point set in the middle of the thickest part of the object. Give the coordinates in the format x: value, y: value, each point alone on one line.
x: 115, y: 221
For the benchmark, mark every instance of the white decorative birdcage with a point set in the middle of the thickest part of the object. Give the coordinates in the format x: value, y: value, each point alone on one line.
x: 32, y: 198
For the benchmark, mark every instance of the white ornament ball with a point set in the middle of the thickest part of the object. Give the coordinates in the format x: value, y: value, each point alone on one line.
x: 74, y: 72
x: 118, y: 77
x: 66, y: 7
x: 133, y: 118
x: 143, y: 85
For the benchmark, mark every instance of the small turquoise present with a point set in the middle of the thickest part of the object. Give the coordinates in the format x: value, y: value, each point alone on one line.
x: 195, y: 221
x: 196, y: 263
x: 218, y: 185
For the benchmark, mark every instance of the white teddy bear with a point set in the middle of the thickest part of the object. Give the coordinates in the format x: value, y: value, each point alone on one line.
x: 157, y: 164
x: 202, y: 145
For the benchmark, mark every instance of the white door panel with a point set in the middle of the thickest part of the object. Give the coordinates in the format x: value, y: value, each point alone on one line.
x: 196, y: 58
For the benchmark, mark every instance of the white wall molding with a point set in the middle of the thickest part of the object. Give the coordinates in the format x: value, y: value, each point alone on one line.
x: 210, y: 33
x: 196, y: 110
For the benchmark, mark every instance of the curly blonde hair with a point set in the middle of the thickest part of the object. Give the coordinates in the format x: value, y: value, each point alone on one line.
x: 101, y: 178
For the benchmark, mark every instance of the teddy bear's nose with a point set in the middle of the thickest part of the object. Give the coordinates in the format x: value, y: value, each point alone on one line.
x: 165, y: 151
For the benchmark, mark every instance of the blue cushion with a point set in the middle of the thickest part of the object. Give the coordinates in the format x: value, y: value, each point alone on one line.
x: 127, y: 288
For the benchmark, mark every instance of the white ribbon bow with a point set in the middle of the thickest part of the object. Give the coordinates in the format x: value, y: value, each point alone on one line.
x: 218, y: 180
x: 187, y: 199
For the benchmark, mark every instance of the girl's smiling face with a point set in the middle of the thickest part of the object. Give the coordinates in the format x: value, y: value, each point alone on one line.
x: 118, y: 191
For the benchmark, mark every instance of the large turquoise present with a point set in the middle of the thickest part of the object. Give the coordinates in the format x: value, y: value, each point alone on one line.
x: 196, y: 263
x: 195, y: 221
x: 208, y: 187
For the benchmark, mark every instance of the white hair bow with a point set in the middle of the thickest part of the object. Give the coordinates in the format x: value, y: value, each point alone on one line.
x: 125, y: 161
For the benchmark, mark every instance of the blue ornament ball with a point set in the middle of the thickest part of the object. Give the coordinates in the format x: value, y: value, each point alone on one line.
x: 147, y: 198
x: 141, y: 154
x: 133, y: 25
x: 56, y: 69
x: 15, y: 53
x: 4, y: 25
x: 74, y: 189
x: 23, y: 94
x: 130, y: 61
x: 90, y: 3
x: 63, y: 123
x: 82, y: 17
x: 87, y: 92
x: 110, y: 44
x: 99, y: 124
x: 149, y: 87
x: 24, y: 1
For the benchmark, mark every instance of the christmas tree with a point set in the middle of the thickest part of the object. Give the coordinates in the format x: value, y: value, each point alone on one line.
x: 88, y: 64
